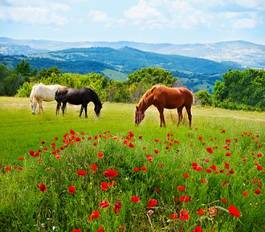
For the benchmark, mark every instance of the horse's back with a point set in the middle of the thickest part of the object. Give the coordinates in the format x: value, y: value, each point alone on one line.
x: 173, y: 97
x: 44, y: 92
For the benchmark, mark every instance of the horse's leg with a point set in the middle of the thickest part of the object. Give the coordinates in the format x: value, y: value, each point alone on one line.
x: 180, y: 115
x: 40, y: 106
x: 63, y: 107
x: 188, y: 109
x: 58, y: 107
x: 34, y: 105
x: 162, y: 119
x: 81, y: 111
x: 85, y: 111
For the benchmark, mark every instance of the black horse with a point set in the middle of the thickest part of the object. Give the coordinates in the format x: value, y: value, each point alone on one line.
x: 77, y: 97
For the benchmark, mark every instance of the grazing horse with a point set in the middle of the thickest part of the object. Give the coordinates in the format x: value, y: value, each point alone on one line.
x: 77, y: 97
x: 164, y: 97
x: 41, y: 92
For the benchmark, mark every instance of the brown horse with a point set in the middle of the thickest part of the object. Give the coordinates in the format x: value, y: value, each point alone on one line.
x: 163, y: 97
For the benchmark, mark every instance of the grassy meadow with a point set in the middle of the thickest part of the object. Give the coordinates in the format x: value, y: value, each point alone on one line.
x: 65, y: 173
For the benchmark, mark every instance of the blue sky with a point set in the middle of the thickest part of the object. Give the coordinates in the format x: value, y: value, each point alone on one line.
x: 159, y: 21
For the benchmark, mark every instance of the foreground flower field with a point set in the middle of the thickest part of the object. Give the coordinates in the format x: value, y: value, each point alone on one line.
x: 70, y: 174
x: 104, y: 182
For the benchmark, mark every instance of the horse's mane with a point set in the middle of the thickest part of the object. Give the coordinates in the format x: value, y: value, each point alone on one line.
x: 95, y: 96
x: 147, y: 94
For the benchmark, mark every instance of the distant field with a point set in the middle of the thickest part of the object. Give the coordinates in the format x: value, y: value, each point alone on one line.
x: 102, y: 175
x: 20, y: 130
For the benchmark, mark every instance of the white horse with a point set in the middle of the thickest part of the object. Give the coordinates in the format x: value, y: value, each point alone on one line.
x: 41, y: 92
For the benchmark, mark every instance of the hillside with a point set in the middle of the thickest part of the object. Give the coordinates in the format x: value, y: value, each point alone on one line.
x: 117, y: 63
x: 245, y: 53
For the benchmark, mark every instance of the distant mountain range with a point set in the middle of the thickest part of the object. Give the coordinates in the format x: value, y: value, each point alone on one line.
x: 245, y: 53
x: 198, y: 65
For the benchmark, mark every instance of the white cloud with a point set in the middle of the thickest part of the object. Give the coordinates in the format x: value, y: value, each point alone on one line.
x: 34, y: 12
x: 98, y: 16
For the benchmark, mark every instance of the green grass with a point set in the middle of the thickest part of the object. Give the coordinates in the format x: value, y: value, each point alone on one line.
x: 24, y: 208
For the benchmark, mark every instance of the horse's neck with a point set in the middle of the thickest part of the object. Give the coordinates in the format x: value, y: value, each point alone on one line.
x: 145, y: 103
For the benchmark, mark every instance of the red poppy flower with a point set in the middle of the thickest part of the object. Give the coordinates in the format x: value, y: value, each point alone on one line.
x: 184, y: 215
x: 8, y: 168
x: 245, y: 193
x: 197, y: 229
x: 228, y: 154
x: 228, y: 141
x: 156, y: 151
x: 76, y: 230
x: 77, y: 139
x: 181, y: 188
x: 234, y: 211
x: 42, y: 187
x: 94, y: 215
x: 81, y: 172
x: 135, y: 199
x: 21, y: 158
x: 130, y: 134
x: 100, y: 154
x: 104, y: 186
x: 143, y: 168
x: 173, y: 216
x: 131, y: 145
x: 209, y: 150
x: 151, y: 203
x: 94, y: 168
x: 223, y: 200
x: 100, y: 229
x: 136, y: 169
x: 110, y: 173
x: 149, y: 158
x: 72, y: 132
x: 184, y: 198
x: 259, y: 167
x: 117, y: 207
x: 257, y: 191
x: 186, y: 175
x: 104, y: 204
x: 200, y: 212
x: 71, y: 189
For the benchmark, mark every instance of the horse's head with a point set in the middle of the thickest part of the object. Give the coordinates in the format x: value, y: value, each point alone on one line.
x: 139, y: 115
x: 33, y: 105
x: 98, y: 108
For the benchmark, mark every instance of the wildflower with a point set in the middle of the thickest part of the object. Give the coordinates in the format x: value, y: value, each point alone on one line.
x: 100, y: 154
x: 197, y: 229
x: 212, y: 211
x: 223, y: 200
x: 149, y: 158
x: 81, y: 172
x: 42, y: 187
x: 71, y: 189
x: 257, y: 191
x: 77, y: 139
x: 72, y: 132
x: 181, y: 188
x: 184, y: 198
x: 245, y: 193
x: 156, y: 151
x: 185, y: 175
x: 259, y: 167
x: 117, y: 207
x: 209, y: 150
x: 131, y: 145
x: 21, y: 158
x: 100, y: 229
x: 135, y: 199
x: 94, y: 215
x: 228, y: 154
x: 184, y: 215
x: 173, y: 216
x: 234, y: 211
x: 200, y: 212
x: 143, y: 168
x: 104, y: 186
x: 136, y: 169
x: 76, y: 230
x: 152, y: 203
x: 93, y: 167
x: 104, y: 204
x: 111, y: 173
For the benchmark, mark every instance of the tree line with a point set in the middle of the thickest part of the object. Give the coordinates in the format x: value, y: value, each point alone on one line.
x: 238, y: 89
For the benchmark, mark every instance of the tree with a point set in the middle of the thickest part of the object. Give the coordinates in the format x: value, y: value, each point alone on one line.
x: 204, y: 97
x: 152, y: 76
